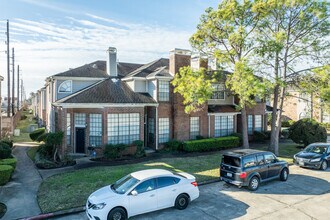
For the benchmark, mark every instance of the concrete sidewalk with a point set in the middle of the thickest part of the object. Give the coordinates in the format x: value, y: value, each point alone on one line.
x: 20, y: 194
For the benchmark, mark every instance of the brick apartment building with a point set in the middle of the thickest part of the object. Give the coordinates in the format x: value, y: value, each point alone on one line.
x: 136, y: 102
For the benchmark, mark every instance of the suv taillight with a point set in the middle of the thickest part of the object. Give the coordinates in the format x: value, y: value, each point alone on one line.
x: 242, y: 175
x: 194, y: 183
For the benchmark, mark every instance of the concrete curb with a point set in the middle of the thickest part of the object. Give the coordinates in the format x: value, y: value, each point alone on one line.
x: 56, y: 214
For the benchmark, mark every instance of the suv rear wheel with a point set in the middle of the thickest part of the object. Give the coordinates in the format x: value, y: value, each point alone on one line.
x: 284, y: 175
x: 324, y: 165
x: 254, y: 183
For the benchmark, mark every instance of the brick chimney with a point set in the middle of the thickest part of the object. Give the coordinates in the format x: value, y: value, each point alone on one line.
x: 179, y: 58
x: 112, y: 62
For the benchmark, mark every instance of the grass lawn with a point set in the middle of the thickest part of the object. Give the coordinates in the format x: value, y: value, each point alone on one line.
x: 71, y: 189
x: 23, y: 126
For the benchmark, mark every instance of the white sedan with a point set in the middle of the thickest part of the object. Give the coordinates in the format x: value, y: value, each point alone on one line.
x: 141, y: 192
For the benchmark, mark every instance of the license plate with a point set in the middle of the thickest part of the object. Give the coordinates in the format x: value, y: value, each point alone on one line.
x: 230, y: 174
x: 301, y: 163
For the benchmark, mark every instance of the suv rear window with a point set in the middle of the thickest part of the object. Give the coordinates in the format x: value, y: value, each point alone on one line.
x: 249, y: 161
x: 232, y: 161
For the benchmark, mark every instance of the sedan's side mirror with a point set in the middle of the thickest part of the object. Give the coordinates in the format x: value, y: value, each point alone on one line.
x: 134, y: 193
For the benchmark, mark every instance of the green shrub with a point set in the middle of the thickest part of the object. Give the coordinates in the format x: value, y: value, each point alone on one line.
x: 36, y: 133
x: 174, y: 145
x: 285, y: 133
x: 5, y: 150
x: 267, y: 134
x: 8, y: 141
x: 5, y: 174
x: 211, y: 144
x: 23, y: 117
x: 45, y: 150
x: 139, y: 148
x: 54, y: 139
x: 240, y: 136
x: 42, y: 137
x: 307, y: 131
x: 113, y: 151
x: 288, y: 123
x: 9, y: 161
x: 259, y: 136
x: 200, y: 137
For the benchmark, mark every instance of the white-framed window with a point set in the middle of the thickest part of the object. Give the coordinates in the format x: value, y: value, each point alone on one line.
x: 164, y: 130
x: 95, y: 130
x: 258, y: 123
x: 65, y: 87
x: 250, y: 124
x: 163, y: 90
x: 68, y: 129
x: 80, y: 119
x: 194, y: 127
x: 223, y: 125
x: 218, y: 91
x: 123, y: 128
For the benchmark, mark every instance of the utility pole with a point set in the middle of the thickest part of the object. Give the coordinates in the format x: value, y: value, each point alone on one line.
x: 13, y: 85
x: 22, y: 91
x: 17, y: 87
x: 8, y: 72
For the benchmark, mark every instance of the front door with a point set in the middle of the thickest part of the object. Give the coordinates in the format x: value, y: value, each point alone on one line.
x: 80, y: 140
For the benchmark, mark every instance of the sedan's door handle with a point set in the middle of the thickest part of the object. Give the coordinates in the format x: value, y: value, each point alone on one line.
x: 152, y: 195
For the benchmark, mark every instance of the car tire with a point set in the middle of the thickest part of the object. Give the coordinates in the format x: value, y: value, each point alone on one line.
x: 284, y: 174
x: 254, y: 183
x: 324, y: 165
x: 181, y: 201
x: 117, y: 214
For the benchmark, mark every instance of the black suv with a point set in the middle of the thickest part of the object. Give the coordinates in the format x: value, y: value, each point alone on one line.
x: 250, y: 167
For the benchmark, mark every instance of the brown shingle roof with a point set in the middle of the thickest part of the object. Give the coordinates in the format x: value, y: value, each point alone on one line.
x: 150, y: 68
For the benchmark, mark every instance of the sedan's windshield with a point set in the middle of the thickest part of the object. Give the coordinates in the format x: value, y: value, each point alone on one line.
x: 124, y: 184
x: 316, y: 149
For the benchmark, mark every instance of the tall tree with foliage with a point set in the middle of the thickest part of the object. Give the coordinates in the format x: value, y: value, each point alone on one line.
x: 225, y: 33
x: 293, y: 39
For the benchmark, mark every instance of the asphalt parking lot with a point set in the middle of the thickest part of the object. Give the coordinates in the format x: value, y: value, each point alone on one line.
x: 306, y: 195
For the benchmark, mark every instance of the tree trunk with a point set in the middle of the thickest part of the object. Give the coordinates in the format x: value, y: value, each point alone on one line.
x: 273, y: 134
x: 244, y: 129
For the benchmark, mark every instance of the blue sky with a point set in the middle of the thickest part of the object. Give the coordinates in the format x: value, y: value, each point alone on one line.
x: 52, y: 36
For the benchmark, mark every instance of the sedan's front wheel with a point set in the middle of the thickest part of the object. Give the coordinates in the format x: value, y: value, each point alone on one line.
x: 117, y: 214
x: 181, y: 201
x: 324, y: 165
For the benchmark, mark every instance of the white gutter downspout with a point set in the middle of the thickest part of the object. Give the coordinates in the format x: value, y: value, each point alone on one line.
x: 156, y: 128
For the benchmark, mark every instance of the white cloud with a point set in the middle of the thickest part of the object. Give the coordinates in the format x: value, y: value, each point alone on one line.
x: 43, y: 48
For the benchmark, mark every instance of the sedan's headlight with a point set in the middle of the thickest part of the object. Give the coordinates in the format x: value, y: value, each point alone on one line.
x: 98, y: 206
x: 315, y: 160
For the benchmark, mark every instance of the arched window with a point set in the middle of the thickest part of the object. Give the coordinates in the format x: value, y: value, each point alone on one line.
x: 65, y: 86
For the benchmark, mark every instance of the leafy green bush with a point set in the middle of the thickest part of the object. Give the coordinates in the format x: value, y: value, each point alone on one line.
x: 174, y: 145
x: 8, y: 141
x: 42, y: 137
x: 259, y: 136
x: 288, y: 123
x: 211, y: 144
x: 285, y: 133
x: 307, y: 131
x: 36, y: 133
x: 200, y: 137
x: 23, y: 117
x: 5, y: 150
x: 240, y: 136
x: 5, y: 174
x: 9, y: 161
x: 45, y: 150
x: 54, y: 139
x: 113, y: 151
x: 139, y: 148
